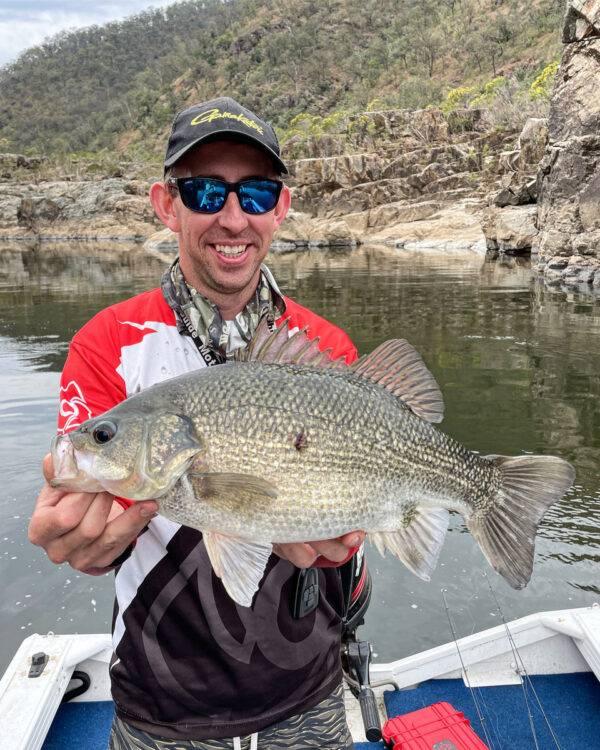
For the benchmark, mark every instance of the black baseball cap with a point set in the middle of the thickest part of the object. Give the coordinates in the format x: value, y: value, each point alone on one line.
x: 220, y: 119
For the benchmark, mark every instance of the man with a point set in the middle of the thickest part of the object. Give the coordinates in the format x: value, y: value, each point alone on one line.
x: 190, y: 668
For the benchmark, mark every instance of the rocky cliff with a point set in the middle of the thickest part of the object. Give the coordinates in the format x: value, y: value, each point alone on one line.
x: 413, y: 178
x: 423, y: 179
x: 568, y: 244
x: 95, y: 208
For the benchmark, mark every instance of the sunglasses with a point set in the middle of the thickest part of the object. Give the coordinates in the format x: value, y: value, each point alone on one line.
x: 207, y: 195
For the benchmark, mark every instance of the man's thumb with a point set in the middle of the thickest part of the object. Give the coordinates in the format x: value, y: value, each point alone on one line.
x: 48, y: 467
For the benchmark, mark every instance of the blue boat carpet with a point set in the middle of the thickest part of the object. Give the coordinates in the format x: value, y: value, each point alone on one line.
x: 571, y: 702
x: 84, y: 726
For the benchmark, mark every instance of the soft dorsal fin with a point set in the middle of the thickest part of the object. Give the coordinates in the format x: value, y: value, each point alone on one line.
x: 278, y: 346
x: 398, y: 367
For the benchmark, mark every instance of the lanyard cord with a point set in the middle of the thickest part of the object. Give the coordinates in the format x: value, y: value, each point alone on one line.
x: 208, y: 355
x: 167, y: 286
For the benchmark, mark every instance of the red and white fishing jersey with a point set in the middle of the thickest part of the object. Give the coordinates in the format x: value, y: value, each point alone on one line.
x: 188, y: 662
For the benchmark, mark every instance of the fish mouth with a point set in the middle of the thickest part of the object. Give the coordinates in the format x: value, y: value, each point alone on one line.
x: 69, y: 470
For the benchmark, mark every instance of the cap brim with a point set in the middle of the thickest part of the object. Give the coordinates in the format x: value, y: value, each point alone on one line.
x: 228, y: 135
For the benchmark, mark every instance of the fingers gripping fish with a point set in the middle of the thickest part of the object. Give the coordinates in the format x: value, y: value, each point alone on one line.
x: 286, y: 445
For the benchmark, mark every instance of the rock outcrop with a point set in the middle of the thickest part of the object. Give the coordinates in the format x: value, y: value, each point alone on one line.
x: 88, y: 209
x: 414, y: 177
x: 568, y: 244
x: 509, y: 221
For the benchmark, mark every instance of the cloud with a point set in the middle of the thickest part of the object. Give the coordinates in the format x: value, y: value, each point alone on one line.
x: 25, y: 23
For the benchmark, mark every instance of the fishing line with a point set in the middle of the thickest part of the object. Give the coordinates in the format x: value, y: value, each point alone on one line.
x: 494, y: 716
x: 521, y: 670
x: 465, y: 673
x: 520, y: 667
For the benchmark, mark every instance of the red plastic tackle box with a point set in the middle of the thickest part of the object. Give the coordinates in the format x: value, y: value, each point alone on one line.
x: 437, y: 727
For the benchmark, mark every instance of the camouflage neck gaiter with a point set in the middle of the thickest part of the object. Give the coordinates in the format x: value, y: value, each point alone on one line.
x: 206, y: 317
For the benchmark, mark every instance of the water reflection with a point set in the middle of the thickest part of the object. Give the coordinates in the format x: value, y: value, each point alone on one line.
x: 517, y: 363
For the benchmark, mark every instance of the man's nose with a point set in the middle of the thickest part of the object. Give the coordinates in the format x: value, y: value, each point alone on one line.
x: 231, y: 216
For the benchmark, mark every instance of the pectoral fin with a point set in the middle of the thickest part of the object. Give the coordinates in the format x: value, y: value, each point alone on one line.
x: 213, y: 485
x: 418, y: 541
x: 239, y: 564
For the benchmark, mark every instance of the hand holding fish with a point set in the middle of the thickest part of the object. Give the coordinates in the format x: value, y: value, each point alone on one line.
x: 88, y: 530
x: 304, y: 554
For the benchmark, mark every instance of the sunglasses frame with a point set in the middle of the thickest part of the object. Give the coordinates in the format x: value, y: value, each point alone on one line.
x: 173, y: 183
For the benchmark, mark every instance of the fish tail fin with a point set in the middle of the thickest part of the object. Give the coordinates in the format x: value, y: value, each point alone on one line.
x: 506, y: 531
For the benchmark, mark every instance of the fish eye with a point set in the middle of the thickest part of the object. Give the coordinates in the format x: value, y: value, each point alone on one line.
x: 104, y: 432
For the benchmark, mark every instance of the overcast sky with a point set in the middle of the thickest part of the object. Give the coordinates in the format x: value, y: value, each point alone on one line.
x: 25, y: 23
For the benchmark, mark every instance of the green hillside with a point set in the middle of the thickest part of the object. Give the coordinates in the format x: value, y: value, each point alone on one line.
x: 116, y: 87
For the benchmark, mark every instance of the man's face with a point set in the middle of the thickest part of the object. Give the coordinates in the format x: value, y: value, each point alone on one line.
x: 222, y: 252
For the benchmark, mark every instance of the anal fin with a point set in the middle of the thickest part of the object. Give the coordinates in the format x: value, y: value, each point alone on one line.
x: 238, y: 563
x: 417, y: 543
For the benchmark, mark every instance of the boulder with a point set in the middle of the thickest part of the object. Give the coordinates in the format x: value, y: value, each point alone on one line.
x: 557, y: 263
x: 587, y: 244
x: 552, y: 243
x: 582, y: 20
x: 517, y: 189
x: 510, y: 229
x: 532, y: 142
x: 300, y: 230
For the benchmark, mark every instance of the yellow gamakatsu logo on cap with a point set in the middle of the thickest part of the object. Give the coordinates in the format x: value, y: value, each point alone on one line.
x: 216, y: 114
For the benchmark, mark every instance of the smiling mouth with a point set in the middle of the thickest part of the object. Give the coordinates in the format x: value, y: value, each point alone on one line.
x: 231, y: 251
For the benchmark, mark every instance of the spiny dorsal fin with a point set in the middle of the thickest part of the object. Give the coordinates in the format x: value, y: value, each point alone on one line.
x: 278, y: 346
x: 398, y: 367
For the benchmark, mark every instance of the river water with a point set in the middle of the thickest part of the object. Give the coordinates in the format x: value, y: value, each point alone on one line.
x: 518, y: 365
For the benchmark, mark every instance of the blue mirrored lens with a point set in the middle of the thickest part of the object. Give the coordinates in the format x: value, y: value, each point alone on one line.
x: 258, y: 196
x: 205, y: 195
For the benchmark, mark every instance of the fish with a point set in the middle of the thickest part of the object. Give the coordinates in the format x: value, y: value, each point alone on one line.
x: 285, y: 444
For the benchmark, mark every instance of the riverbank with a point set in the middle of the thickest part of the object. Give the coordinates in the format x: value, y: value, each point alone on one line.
x: 444, y: 179
x: 418, y: 178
